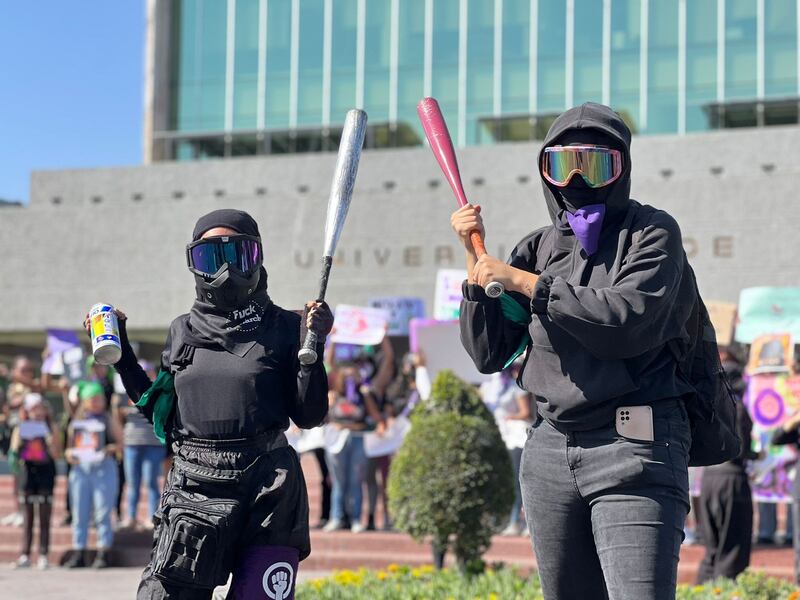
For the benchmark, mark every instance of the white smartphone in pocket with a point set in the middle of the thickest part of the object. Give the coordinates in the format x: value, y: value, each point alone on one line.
x: 635, y: 422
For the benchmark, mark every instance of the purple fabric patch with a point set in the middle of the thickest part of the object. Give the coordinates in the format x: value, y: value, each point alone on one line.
x: 586, y: 224
x: 265, y: 573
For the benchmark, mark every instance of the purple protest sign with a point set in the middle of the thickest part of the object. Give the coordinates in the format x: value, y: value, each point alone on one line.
x: 59, y: 341
x: 770, y: 400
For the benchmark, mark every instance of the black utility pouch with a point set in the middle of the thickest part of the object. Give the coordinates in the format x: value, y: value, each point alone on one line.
x: 197, y: 540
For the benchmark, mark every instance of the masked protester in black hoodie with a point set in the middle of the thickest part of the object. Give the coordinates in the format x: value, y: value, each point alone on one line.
x: 605, y: 292
x: 235, y: 499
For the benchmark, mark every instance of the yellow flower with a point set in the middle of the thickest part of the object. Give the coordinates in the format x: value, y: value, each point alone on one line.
x: 416, y: 573
x: 427, y: 569
x: 348, y: 578
x: 492, y: 596
x: 717, y: 591
x: 794, y: 595
x: 382, y: 575
x: 393, y: 568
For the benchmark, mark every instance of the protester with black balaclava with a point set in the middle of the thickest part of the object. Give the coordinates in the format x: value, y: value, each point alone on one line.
x: 235, y: 499
x: 604, y: 294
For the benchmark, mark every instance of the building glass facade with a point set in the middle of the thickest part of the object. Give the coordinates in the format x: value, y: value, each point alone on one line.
x: 271, y: 76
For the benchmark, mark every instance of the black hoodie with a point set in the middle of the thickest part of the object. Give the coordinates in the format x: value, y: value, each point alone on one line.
x: 601, y: 325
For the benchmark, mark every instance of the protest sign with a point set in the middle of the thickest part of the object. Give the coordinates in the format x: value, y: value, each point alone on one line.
x: 359, y: 325
x: 773, y: 353
x: 59, y: 341
x: 770, y: 400
x: 401, y: 310
x: 89, y: 440
x: 305, y: 440
x: 447, y: 300
x: 30, y: 430
x: 723, y: 318
x: 389, y: 441
x: 440, y: 342
x: 765, y: 310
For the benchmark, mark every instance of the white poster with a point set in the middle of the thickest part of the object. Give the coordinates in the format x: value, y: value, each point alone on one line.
x: 359, y: 325
x: 440, y: 342
x: 305, y: 440
x: 447, y: 303
x: 389, y: 441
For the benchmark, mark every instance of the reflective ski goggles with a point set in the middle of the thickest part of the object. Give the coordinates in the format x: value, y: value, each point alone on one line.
x: 599, y: 166
x: 209, y: 255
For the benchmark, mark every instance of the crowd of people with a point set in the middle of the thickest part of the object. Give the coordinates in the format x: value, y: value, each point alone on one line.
x: 110, y: 453
x: 108, y: 450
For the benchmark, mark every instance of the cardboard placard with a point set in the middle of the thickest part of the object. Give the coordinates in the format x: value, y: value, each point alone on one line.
x: 723, y: 318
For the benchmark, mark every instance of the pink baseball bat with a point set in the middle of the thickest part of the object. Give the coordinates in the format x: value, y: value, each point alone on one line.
x: 433, y: 123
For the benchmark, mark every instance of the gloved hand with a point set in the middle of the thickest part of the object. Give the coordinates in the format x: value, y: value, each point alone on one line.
x: 318, y: 318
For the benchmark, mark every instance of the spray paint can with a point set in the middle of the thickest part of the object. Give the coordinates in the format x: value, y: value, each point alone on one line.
x: 106, y: 346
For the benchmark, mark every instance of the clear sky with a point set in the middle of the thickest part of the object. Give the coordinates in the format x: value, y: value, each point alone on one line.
x: 71, y: 80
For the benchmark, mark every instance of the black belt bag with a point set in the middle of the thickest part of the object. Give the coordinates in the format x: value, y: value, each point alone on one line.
x: 197, y: 538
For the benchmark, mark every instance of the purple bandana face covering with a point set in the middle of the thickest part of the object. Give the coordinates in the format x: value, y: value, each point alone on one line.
x: 586, y: 224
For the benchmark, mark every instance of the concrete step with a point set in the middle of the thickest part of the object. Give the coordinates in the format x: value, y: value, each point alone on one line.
x: 341, y: 549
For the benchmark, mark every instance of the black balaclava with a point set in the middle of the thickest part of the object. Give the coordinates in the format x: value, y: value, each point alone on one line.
x: 590, y: 123
x: 230, y: 290
x: 229, y: 309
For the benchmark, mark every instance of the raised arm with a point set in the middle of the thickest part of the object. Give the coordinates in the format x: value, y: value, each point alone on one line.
x: 386, y: 369
x: 306, y: 387
x: 134, y: 378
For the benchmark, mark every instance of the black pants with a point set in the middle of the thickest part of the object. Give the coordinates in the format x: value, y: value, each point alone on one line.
x: 319, y: 453
x: 229, y: 495
x: 726, y: 520
x: 605, y: 512
x: 36, y: 483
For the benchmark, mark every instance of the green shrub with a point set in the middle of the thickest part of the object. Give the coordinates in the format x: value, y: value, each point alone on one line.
x: 750, y: 585
x: 452, y: 480
x: 421, y: 583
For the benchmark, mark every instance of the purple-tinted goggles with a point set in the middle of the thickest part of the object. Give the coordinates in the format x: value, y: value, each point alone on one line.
x: 209, y: 255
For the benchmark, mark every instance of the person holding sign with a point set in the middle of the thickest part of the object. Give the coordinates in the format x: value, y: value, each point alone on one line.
x: 35, y: 446
x: 235, y: 499
x: 93, y: 442
x: 599, y: 298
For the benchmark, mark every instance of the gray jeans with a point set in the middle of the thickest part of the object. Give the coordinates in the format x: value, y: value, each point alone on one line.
x: 606, y: 513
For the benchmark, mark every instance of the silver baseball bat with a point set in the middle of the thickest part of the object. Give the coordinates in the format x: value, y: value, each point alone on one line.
x: 344, y: 178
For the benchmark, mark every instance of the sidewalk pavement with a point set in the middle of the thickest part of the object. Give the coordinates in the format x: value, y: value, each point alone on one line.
x: 81, y: 584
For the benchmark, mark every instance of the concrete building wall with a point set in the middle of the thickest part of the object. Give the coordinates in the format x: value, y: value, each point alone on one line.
x: 118, y: 235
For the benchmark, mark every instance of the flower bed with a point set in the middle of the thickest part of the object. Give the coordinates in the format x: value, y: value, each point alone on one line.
x: 417, y: 583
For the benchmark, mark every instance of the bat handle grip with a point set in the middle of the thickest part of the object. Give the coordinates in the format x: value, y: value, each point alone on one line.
x: 308, y: 353
x: 494, y: 289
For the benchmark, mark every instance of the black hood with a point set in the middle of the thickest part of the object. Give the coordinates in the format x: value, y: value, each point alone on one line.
x: 595, y: 124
